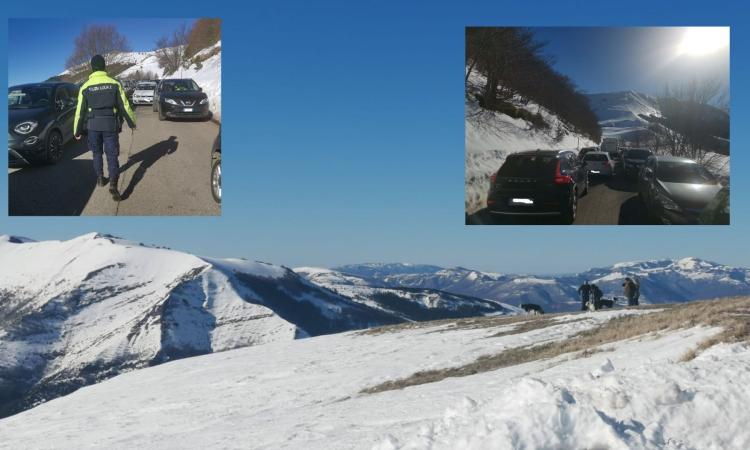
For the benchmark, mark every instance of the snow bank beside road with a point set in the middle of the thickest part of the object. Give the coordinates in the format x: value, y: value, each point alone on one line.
x: 491, y: 136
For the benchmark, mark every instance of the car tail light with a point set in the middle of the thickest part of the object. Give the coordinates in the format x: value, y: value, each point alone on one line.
x: 493, y: 177
x: 560, y: 178
x: 490, y: 202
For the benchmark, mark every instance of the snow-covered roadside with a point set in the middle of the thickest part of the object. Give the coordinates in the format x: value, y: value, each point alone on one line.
x: 208, y: 76
x: 490, y: 136
x: 305, y: 394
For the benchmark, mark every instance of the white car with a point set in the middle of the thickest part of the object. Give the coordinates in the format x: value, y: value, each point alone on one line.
x: 144, y: 93
x: 599, y: 164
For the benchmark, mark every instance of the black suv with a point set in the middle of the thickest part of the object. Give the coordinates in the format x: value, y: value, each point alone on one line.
x: 40, y: 121
x: 538, y: 183
x: 180, y: 98
x: 216, y: 168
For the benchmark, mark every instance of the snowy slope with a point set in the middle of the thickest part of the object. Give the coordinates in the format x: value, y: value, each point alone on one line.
x: 416, y: 304
x: 75, y: 312
x: 661, y: 281
x: 619, y: 112
x: 308, y: 394
x: 490, y: 136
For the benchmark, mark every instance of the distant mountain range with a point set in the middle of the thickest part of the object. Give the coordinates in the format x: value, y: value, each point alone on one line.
x: 661, y: 281
x: 75, y: 312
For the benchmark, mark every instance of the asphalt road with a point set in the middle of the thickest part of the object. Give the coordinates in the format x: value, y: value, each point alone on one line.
x: 165, y: 171
x: 609, y: 202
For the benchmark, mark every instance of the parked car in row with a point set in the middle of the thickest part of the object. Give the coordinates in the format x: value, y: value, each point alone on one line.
x: 585, y: 150
x: 599, y: 164
x: 676, y: 190
x: 144, y: 93
x: 610, y: 144
x: 538, y: 183
x: 633, y: 160
x: 180, y: 98
x: 40, y: 121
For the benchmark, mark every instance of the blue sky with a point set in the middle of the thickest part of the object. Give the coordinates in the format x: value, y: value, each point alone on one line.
x: 607, y: 59
x: 38, y: 48
x: 344, y: 130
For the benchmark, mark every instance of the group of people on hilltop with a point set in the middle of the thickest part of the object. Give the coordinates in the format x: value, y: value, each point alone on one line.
x: 591, y: 294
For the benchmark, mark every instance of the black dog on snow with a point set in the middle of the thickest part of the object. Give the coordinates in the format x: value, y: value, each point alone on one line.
x: 532, y: 308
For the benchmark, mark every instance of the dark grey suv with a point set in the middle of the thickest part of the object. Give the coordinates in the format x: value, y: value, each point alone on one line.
x: 40, y: 121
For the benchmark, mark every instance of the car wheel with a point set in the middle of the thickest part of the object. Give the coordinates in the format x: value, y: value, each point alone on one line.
x: 586, y: 187
x: 571, y: 209
x: 161, y: 114
x: 54, y: 147
x: 216, y: 179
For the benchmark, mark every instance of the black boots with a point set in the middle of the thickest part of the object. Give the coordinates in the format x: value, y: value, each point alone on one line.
x: 113, y: 190
x: 101, y: 181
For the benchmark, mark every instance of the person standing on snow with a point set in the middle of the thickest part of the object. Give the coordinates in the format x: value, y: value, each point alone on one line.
x: 101, y: 105
x: 637, y: 294
x: 585, y: 292
x: 597, y: 294
x: 629, y: 289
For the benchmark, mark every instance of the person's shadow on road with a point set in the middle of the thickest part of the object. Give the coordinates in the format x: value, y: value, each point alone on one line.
x: 147, y: 157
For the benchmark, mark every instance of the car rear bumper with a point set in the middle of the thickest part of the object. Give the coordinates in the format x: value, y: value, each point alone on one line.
x: 545, y: 203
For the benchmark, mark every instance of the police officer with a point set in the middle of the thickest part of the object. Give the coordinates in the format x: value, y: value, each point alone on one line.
x: 101, y: 106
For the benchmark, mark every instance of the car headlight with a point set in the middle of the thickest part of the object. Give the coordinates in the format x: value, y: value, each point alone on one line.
x: 666, y: 202
x: 25, y: 127
x: 170, y: 101
x: 204, y: 101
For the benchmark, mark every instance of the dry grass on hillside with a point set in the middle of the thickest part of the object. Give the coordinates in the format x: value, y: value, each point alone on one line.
x: 732, y: 314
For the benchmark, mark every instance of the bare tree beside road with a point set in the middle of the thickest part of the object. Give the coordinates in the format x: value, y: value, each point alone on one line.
x: 102, y: 40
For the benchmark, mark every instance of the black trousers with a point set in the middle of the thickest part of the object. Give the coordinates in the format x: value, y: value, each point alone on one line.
x: 105, y: 142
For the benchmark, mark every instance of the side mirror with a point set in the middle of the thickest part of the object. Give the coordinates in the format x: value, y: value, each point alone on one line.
x: 200, y: 89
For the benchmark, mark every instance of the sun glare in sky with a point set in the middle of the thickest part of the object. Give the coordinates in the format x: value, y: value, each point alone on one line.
x: 699, y: 41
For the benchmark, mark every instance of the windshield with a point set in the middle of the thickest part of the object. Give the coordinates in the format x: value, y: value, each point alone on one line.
x: 145, y: 86
x: 180, y: 86
x: 638, y: 154
x: 595, y: 157
x: 29, y: 97
x: 528, y: 166
x: 680, y: 172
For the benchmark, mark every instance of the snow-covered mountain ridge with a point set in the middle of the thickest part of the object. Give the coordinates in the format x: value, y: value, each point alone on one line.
x: 75, y: 312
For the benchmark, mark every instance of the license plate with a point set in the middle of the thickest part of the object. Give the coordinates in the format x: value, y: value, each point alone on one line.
x: 188, y: 110
x: 521, y: 201
x: 594, y: 171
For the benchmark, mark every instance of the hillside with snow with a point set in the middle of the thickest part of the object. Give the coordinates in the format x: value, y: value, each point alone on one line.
x: 76, y: 312
x: 672, y: 378
x: 661, y: 281
x: 620, y: 113
x: 490, y: 136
